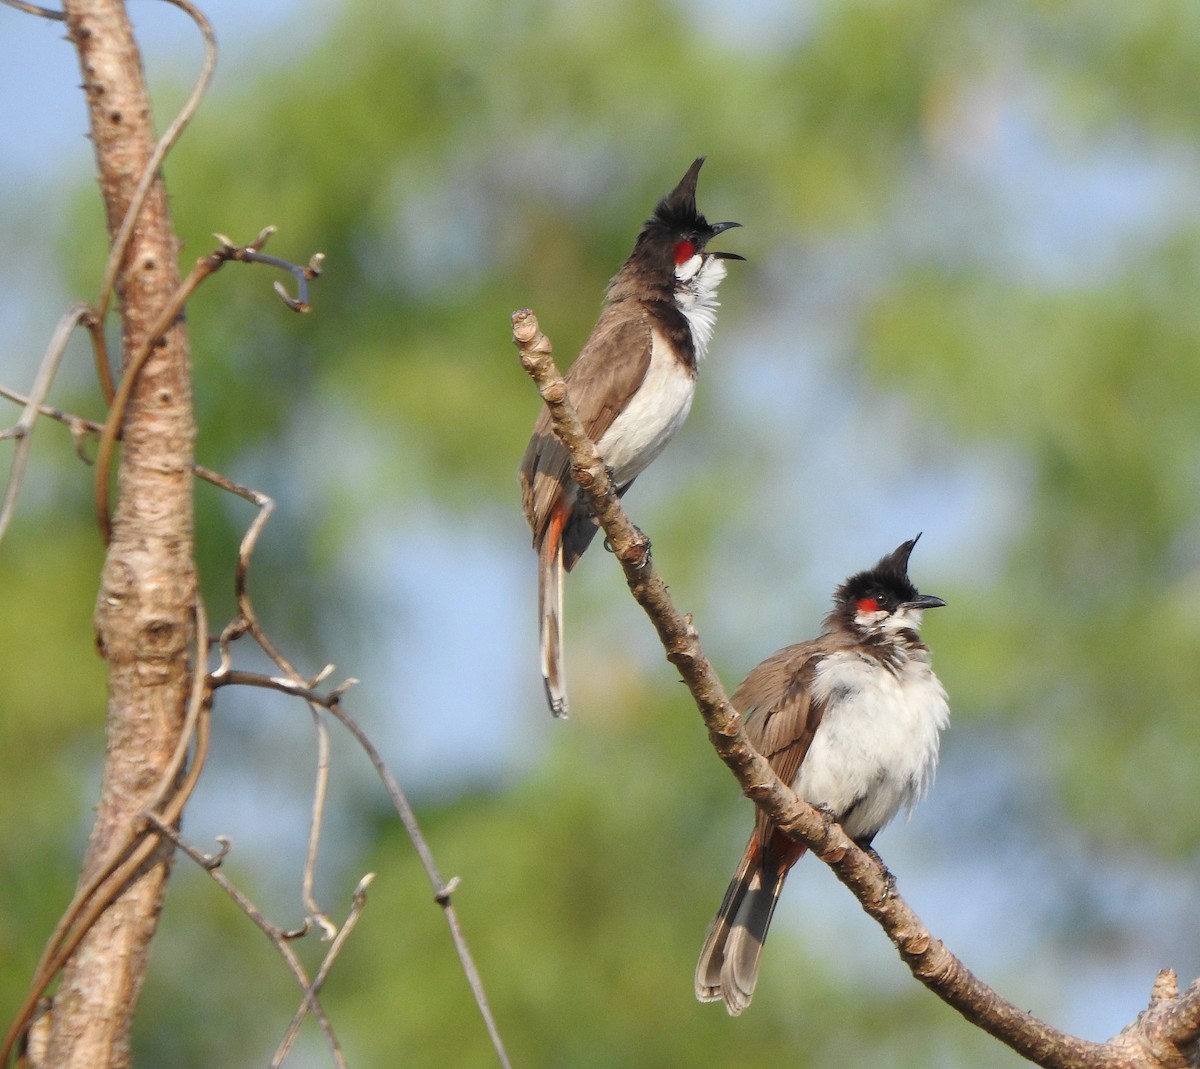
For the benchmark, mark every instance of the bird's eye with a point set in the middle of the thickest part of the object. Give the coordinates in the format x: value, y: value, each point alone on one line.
x: 868, y: 605
x: 684, y: 251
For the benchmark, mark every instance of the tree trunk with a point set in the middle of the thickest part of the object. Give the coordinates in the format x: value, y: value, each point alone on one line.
x: 144, y: 609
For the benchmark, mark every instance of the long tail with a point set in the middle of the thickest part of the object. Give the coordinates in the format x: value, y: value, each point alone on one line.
x: 728, y: 965
x: 550, y: 612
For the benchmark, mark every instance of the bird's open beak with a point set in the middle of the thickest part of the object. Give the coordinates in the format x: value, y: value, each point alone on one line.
x: 716, y: 229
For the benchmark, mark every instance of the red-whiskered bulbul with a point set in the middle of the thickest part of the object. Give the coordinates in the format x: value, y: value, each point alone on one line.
x: 851, y: 721
x: 632, y: 385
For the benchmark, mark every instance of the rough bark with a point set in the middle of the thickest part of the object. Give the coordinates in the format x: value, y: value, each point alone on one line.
x: 144, y: 608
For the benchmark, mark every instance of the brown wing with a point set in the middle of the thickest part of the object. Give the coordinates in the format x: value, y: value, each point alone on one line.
x: 781, y: 718
x: 605, y: 375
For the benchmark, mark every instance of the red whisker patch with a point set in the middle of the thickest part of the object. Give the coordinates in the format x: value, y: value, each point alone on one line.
x: 684, y: 251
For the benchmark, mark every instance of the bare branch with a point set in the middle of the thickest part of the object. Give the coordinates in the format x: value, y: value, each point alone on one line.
x: 292, y: 683
x: 280, y: 938
x: 34, y: 9
x: 928, y: 958
x: 22, y: 430
x: 302, y: 273
x: 310, y: 992
x: 442, y: 888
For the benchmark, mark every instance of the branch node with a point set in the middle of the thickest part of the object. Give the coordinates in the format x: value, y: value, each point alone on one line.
x: 296, y: 304
x: 337, y: 692
x: 1165, y: 987
x: 214, y: 861
x: 442, y: 898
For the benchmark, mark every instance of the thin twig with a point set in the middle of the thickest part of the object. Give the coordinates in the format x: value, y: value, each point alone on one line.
x: 310, y: 994
x: 280, y: 938
x: 247, y: 622
x: 35, y: 9
x: 81, y: 428
x: 22, y: 430
x: 442, y: 889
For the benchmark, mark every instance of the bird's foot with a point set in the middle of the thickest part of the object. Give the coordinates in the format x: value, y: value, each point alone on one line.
x: 889, y: 881
x: 641, y: 542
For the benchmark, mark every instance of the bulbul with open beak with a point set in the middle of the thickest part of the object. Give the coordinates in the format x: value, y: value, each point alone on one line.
x: 632, y: 385
x: 851, y: 720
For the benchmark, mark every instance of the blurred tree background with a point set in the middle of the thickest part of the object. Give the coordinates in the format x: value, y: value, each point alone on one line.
x: 973, y: 241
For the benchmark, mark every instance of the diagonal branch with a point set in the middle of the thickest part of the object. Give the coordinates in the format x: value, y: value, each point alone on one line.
x: 1176, y: 1021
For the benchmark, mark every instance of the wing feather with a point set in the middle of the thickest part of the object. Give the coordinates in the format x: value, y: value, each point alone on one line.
x: 781, y: 716
x: 599, y: 384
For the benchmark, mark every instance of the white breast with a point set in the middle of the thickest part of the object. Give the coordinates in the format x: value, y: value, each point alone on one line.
x: 876, y: 748
x: 652, y: 417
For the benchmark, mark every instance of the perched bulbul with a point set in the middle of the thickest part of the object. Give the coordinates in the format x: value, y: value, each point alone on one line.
x: 632, y: 386
x: 851, y: 721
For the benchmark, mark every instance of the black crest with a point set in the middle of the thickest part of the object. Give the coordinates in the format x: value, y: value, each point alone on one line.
x: 887, y: 582
x: 677, y: 210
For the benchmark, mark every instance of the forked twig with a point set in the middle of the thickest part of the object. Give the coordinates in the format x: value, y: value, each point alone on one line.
x: 292, y: 683
x: 280, y: 938
x: 442, y: 889
x: 167, y: 317
x: 310, y: 992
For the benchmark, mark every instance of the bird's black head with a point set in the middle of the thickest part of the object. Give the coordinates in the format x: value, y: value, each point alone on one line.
x: 883, y: 598
x: 677, y: 232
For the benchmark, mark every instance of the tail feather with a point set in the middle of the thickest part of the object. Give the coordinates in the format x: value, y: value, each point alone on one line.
x: 729, y: 962
x: 550, y: 616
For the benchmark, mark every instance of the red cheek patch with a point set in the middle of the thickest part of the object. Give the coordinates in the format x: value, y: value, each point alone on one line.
x: 868, y: 605
x: 684, y: 251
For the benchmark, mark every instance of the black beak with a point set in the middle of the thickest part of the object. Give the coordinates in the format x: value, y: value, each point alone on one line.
x: 925, y: 601
x: 717, y: 228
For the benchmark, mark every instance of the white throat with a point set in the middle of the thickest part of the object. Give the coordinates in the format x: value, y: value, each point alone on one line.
x: 696, y: 296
